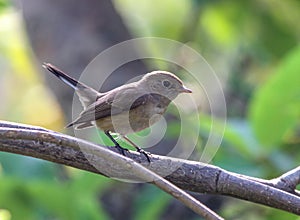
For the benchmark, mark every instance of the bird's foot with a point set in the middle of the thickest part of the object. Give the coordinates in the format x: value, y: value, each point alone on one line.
x: 147, y: 154
x: 121, y: 149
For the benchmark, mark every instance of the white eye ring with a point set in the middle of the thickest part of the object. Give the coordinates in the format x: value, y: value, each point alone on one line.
x: 166, y: 83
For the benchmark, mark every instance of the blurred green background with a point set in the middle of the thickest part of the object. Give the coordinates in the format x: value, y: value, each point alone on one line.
x: 252, y: 45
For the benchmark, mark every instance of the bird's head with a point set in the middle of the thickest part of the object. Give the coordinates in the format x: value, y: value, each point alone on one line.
x: 164, y: 83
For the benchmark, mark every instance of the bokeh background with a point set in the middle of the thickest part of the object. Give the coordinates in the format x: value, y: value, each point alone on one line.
x: 252, y: 45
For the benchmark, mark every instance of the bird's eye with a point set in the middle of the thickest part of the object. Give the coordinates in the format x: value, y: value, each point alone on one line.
x: 166, y: 83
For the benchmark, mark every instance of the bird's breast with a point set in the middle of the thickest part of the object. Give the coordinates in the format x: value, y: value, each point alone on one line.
x: 136, y: 119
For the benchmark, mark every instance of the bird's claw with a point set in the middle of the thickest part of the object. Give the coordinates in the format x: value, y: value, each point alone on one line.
x: 147, y: 154
x: 121, y: 149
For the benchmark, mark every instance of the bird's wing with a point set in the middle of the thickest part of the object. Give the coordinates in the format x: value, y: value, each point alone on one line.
x: 113, y: 103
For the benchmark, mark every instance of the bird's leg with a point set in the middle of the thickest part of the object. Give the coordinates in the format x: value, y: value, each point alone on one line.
x: 140, y: 150
x: 117, y: 145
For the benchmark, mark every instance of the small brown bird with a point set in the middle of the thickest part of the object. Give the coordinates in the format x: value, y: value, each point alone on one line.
x: 126, y: 109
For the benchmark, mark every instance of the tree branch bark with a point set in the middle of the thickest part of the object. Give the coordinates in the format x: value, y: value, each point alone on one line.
x: 188, y: 175
x: 106, y: 159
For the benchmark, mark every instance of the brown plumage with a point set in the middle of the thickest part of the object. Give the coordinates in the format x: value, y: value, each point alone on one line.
x: 126, y: 109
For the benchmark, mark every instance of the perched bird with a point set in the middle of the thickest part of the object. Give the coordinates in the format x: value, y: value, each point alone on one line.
x: 126, y: 109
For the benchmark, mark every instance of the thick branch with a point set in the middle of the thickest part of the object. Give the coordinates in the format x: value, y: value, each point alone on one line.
x: 188, y: 175
x: 109, y: 159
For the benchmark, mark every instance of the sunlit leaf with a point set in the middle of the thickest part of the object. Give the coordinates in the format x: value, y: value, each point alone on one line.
x: 5, y: 214
x: 28, y: 100
x: 275, y: 107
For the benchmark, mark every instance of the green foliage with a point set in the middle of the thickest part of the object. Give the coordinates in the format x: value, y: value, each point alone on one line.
x: 167, y: 11
x: 155, y: 202
x: 4, y: 4
x: 71, y: 199
x: 260, y: 37
x: 275, y: 108
x: 238, y: 142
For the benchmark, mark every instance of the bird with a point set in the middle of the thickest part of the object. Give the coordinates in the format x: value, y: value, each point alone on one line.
x: 129, y: 108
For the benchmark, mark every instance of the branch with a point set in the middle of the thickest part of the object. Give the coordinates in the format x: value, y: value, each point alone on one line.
x: 188, y: 175
x: 288, y: 181
x: 22, y: 136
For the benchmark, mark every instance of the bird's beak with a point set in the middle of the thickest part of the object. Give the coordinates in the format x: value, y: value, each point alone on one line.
x: 185, y: 90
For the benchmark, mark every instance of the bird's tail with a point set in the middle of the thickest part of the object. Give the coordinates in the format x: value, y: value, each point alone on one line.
x: 63, y: 76
x: 86, y: 94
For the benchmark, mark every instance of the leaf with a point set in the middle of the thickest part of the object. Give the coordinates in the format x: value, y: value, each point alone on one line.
x: 274, y: 109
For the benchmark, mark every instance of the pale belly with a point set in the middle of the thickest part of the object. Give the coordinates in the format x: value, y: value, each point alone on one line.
x: 138, y: 119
